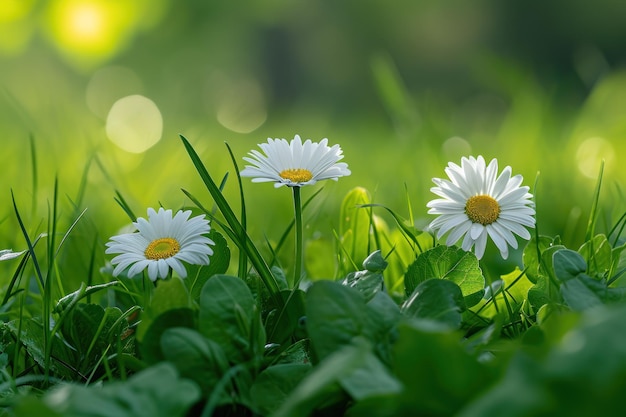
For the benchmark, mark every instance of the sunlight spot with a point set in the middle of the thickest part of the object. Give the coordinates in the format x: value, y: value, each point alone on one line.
x: 455, y: 147
x: 89, y: 31
x: 239, y: 104
x: 590, y: 154
x: 134, y: 124
x: 107, y: 85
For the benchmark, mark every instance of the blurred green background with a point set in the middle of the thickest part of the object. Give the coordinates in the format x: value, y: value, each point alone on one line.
x: 104, y: 87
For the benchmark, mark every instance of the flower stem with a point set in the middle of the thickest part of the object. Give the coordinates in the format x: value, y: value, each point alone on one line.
x: 297, y: 205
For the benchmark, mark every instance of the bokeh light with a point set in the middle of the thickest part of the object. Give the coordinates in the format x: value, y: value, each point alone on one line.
x: 456, y: 147
x: 134, y: 124
x: 238, y: 104
x: 89, y: 31
x: 590, y: 154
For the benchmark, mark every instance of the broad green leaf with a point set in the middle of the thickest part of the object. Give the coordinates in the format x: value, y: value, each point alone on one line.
x: 516, y: 395
x: 169, y: 294
x: 150, y: 346
x: 195, y: 357
x: 366, y: 282
x: 297, y: 353
x: 229, y: 317
x: 568, y: 264
x: 370, y: 378
x: 547, y: 267
x: 370, y: 280
x: 438, y: 374
x: 579, y: 293
x: 91, y: 330
x: 335, y: 315
x: 438, y: 300
x: 197, y: 275
x: 450, y: 263
x: 155, y: 392
x: 579, y: 290
x: 569, y: 380
x: 597, y: 254
x: 351, y: 367
x: 542, y: 293
x: 274, y: 385
x: 383, y: 315
x: 32, y: 338
x: 285, y: 320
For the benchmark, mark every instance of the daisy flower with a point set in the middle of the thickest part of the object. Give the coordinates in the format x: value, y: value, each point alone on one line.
x: 294, y: 163
x: 161, y: 243
x: 476, y: 204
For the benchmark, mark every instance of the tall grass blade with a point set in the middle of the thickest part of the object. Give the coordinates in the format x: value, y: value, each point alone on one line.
x: 253, y: 254
x: 33, y: 163
x: 243, y: 260
x: 591, y: 224
x: 120, y: 200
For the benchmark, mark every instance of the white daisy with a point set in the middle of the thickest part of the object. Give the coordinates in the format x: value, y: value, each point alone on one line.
x: 295, y: 164
x: 161, y: 243
x: 476, y: 204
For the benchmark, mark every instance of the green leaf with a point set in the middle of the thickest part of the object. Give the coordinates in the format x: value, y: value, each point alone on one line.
x: 450, y: 263
x: 597, y: 253
x: 285, y: 320
x: 382, y: 317
x: 274, y: 385
x: 229, y: 317
x: 438, y: 300
x: 150, y: 346
x: 352, y: 367
x: 568, y: 264
x: 90, y: 329
x: 31, y: 336
x: 335, y: 315
x: 366, y: 282
x: 169, y: 294
x: 582, y: 293
x: 531, y: 256
x: 219, y: 262
x: 579, y: 290
x: 155, y: 392
x: 195, y: 357
x: 438, y: 374
x: 241, y: 238
x: 375, y: 262
x: 370, y: 378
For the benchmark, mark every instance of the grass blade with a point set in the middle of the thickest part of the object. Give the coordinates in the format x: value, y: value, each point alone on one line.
x: 591, y: 224
x: 253, y: 254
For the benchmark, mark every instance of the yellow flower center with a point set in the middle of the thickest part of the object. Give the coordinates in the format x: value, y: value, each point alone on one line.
x: 296, y: 174
x: 162, y: 248
x: 482, y: 209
